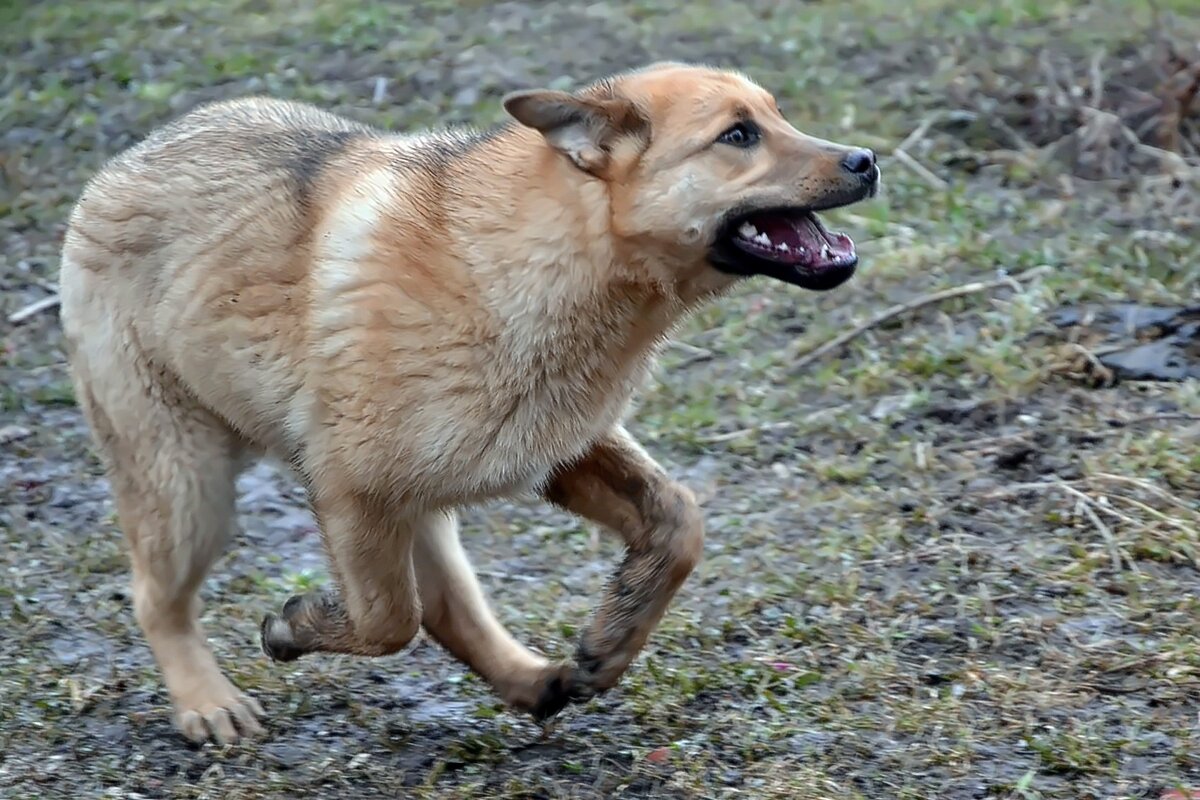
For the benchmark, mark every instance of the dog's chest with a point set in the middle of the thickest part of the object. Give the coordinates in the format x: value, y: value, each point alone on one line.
x: 532, y: 410
x: 562, y: 378
x: 450, y: 409
x: 565, y: 402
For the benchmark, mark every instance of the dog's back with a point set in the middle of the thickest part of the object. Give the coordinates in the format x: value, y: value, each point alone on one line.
x: 229, y: 180
x: 217, y: 209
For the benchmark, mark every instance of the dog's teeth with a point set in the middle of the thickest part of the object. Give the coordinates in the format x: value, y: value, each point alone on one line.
x: 782, y: 247
x: 825, y: 251
x: 747, y: 231
x: 763, y: 239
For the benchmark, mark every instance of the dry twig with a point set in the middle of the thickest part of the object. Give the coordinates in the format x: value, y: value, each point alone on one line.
x: 920, y: 169
x: 731, y: 435
x: 925, y: 300
x: 901, y: 154
x: 1084, y: 507
x: 1170, y: 417
x: 33, y: 309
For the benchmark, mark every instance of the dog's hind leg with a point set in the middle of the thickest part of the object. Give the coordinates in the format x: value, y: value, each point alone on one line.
x: 619, y: 486
x: 457, y: 615
x: 172, y: 467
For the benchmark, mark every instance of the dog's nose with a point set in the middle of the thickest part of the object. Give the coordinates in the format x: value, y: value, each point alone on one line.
x: 859, y: 162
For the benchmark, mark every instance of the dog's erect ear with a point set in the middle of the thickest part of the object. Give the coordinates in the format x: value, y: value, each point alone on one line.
x: 581, y: 127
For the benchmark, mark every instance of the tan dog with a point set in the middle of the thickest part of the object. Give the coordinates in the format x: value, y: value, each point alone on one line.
x: 418, y: 322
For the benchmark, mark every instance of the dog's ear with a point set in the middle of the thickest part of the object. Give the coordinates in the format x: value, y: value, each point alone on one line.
x: 581, y: 126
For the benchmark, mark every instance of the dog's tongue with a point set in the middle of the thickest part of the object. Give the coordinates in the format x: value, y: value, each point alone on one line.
x: 795, y: 238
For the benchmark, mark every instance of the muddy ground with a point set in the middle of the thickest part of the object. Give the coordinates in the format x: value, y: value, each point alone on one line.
x: 956, y: 557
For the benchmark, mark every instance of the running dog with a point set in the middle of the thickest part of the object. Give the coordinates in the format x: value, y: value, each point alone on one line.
x: 413, y: 323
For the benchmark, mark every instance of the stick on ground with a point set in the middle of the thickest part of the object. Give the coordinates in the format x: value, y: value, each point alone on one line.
x: 925, y: 300
x: 33, y: 309
x: 920, y: 169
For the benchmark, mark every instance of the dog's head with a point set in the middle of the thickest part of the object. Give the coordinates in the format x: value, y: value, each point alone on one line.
x: 702, y: 168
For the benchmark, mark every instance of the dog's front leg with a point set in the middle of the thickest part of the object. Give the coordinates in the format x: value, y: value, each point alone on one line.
x: 375, y: 609
x: 619, y: 486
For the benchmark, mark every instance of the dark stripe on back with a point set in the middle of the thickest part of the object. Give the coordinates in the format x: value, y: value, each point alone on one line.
x: 448, y: 146
x: 305, y: 154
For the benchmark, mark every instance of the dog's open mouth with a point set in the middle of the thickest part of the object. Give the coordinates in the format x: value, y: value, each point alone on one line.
x: 796, y: 238
x: 790, y: 244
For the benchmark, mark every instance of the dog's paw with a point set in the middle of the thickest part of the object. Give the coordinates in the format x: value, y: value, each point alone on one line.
x: 277, y: 641
x: 283, y: 636
x: 556, y: 691
x: 560, y: 685
x: 218, y: 710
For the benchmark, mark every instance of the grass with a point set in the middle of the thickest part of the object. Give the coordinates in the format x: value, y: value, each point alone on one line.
x: 939, y: 564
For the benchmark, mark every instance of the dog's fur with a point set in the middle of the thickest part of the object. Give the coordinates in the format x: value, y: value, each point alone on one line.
x: 412, y: 323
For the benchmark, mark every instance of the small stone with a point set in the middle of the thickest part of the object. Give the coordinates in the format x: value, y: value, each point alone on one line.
x: 13, y: 433
x: 659, y: 755
x: 466, y: 97
x: 286, y: 755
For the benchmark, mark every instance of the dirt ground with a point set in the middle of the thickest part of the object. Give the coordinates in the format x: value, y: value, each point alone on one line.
x: 954, y: 557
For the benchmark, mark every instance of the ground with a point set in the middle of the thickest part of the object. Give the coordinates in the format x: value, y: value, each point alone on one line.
x: 952, y: 557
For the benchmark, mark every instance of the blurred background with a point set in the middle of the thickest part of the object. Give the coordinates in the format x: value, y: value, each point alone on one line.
x: 952, y: 506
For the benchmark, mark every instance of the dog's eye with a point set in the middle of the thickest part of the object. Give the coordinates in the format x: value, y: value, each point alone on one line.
x: 743, y: 134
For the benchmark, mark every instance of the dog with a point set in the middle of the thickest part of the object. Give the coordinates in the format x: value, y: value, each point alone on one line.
x: 414, y: 323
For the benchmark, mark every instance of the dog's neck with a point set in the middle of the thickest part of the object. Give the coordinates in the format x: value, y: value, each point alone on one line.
x: 550, y: 269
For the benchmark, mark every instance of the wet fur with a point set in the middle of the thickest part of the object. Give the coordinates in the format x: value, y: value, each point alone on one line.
x: 411, y: 323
